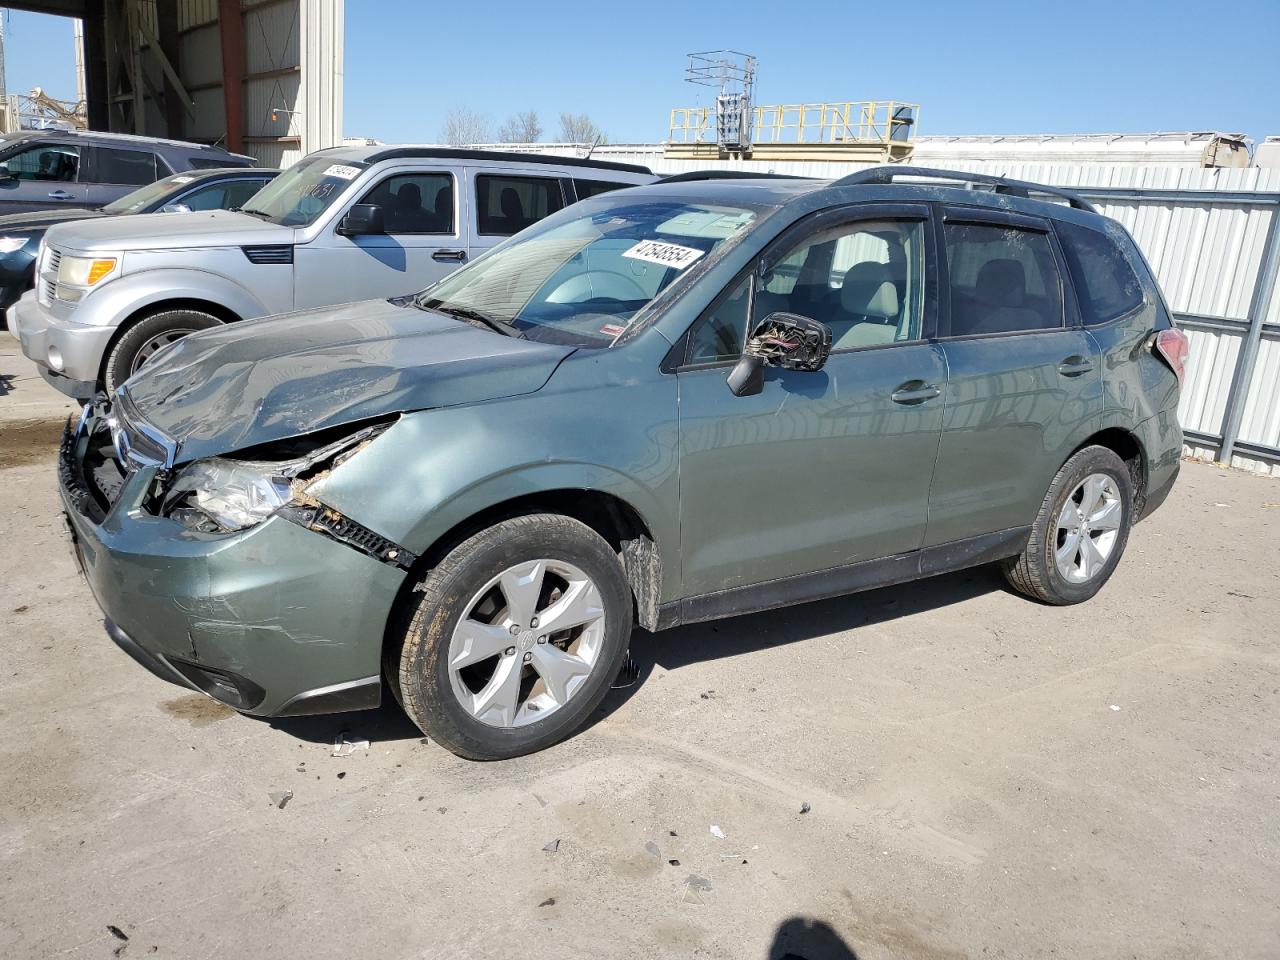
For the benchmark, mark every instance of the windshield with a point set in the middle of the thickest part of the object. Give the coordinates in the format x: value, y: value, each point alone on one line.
x: 152, y: 193
x: 580, y: 279
x: 304, y: 191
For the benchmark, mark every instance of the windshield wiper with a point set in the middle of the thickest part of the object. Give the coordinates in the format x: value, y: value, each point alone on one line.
x: 472, y: 316
x: 252, y: 212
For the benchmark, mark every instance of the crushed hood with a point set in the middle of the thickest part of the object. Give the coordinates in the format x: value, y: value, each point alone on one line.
x: 263, y: 380
x: 141, y: 231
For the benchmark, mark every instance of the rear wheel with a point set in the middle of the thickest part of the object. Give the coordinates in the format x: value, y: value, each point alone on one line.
x: 514, y: 637
x: 1080, y: 532
x: 138, y: 344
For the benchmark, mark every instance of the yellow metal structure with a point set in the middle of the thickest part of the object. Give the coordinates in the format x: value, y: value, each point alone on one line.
x: 881, y: 130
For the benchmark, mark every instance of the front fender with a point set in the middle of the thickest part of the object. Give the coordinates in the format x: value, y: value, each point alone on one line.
x: 120, y: 299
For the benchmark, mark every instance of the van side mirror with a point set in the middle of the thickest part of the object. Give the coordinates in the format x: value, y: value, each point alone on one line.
x: 6, y: 173
x: 786, y: 340
x: 363, y: 220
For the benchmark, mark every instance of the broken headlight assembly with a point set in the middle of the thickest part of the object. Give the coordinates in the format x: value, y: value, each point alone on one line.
x: 223, y: 495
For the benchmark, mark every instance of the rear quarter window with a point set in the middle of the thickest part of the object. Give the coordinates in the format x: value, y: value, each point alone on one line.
x: 1106, y: 284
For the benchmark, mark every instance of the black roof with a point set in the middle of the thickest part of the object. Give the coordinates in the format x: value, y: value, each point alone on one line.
x: 459, y: 153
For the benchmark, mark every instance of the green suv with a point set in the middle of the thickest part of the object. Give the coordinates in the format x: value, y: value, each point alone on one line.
x: 701, y: 398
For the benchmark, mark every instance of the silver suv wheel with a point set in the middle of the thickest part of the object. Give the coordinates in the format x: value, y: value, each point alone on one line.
x: 1088, y: 527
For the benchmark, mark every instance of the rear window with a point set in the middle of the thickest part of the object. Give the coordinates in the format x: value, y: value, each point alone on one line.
x: 506, y: 205
x: 126, y: 166
x: 1106, y: 284
x: 1003, y: 280
x: 593, y: 188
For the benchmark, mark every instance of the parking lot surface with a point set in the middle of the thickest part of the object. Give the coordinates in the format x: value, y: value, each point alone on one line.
x: 983, y: 776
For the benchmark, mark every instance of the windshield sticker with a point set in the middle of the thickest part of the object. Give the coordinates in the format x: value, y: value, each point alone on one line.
x: 177, y: 180
x: 612, y: 329
x: 341, y: 170
x: 667, y: 254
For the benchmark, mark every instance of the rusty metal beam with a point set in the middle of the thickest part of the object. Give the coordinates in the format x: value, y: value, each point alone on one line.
x: 231, y: 30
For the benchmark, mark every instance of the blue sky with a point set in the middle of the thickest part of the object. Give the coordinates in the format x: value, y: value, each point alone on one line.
x: 1029, y: 67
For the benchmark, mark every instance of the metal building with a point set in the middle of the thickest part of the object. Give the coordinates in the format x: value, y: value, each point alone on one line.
x: 262, y: 77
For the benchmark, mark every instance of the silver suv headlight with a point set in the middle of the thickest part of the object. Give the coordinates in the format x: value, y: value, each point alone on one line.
x: 78, y: 275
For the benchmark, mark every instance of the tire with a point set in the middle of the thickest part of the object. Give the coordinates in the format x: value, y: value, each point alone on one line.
x: 123, y: 359
x: 473, y: 579
x: 1038, y: 572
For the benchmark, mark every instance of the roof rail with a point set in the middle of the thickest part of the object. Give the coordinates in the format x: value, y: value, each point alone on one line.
x: 726, y: 175
x: 1013, y: 188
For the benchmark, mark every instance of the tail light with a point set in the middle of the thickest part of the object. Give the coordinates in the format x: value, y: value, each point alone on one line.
x: 1173, y: 346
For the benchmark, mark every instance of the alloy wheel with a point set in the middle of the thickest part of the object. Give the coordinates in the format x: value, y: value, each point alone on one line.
x: 153, y: 345
x: 1088, y: 527
x: 527, y: 643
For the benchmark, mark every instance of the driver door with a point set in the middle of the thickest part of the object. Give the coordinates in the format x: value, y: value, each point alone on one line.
x: 43, y: 176
x: 819, y: 471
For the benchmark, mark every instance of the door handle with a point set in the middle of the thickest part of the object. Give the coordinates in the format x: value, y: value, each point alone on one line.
x: 913, y: 392
x: 1075, y: 366
x: 449, y: 256
x: 61, y: 195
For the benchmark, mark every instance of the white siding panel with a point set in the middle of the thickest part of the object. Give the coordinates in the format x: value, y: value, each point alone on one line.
x: 320, y: 96
x: 1209, y: 372
x: 1261, y: 420
x: 273, y: 93
x: 195, y: 13
x: 201, y: 52
x: 271, y: 37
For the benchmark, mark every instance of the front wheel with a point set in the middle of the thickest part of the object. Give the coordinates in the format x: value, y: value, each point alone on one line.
x: 514, y: 637
x: 138, y: 344
x: 1080, y: 532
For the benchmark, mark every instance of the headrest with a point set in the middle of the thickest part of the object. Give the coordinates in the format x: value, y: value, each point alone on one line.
x: 868, y: 290
x: 1001, y: 283
x: 511, y: 206
x: 444, y: 203
x: 409, y: 196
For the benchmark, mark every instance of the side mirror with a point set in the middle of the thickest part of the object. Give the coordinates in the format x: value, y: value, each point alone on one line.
x: 786, y: 340
x: 175, y: 207
x: 363, y: 220
x: 6, y: 173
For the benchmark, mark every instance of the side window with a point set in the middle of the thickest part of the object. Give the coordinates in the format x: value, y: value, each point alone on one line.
x: 1105, y: 281
x: 53, y: 162
x: 238, y: 192
x: 134, y: 167
x: 1003, y: 279
x: 211, y: 197
x: 864, y: 280
x: 415, y: 202
x: 720, y: 334
x: 506, y: 205
x: 593, y: 188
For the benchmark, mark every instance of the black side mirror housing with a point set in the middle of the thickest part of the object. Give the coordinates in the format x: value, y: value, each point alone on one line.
x: 363, y: 220
x: 786, y: 340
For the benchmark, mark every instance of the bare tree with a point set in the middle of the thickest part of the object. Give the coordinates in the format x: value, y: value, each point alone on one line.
x: 464, y: 126
x: 521, y: 128
x: 580, y: 128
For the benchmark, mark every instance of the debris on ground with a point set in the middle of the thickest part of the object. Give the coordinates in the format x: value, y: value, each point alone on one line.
x: 1115, y: 707
x: 280, y: 798
x: 717, y: 832
x: 552, y: 847
x: 344, y: 745
x: 694, y: 886
x: 549, y: 902
x: 673, y: 863
x: 117, y: 932
x: 804, y: 806
x: 626, y: 676
x: 672, y: 833
x: 653, y: 850
x: 342, y: 775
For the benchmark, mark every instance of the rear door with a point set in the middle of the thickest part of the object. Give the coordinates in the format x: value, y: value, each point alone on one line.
x: 115, y: 171
x: 819, y: 470
x: 425, y: 240
x: 43, y: 175
x: 505, y: 203
x: 1024, y: 379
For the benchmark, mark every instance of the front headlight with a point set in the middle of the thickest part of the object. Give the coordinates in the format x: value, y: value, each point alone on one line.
x: 226, y: 495
x: 77, y: 275
x: 12, y: 244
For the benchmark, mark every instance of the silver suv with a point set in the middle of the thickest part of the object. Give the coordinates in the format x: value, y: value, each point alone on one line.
x: 341, y: 225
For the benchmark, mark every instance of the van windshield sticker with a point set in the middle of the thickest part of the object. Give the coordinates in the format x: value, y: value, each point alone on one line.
x: 667, y: 254
x: 341, y: 170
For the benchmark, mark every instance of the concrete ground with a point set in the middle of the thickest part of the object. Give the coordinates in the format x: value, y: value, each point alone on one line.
x: 986, y: 777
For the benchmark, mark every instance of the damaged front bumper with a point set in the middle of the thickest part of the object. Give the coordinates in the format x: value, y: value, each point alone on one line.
x: 275, y: 620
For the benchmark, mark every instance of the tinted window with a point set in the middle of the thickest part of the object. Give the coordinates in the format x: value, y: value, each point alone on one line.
x: 415, y: 202
x: 591, y: 188
x: 1105, y: 283
x: 125, y: 166
x: 53, y: 162
x: 506, y: 205
x: 864, y: 280
x: 1003, y: 279
x: 222, y: 196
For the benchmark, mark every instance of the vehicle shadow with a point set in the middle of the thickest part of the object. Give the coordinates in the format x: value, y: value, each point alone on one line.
x: 804, y: 938
x: 695, y: 643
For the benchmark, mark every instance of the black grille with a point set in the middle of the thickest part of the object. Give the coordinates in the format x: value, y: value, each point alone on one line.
x: 282, y: 253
